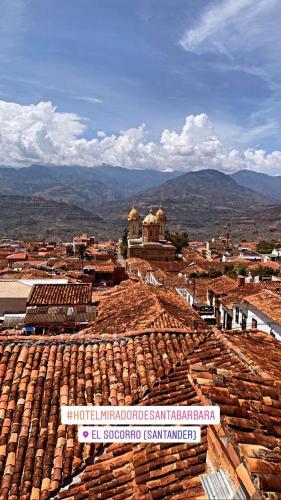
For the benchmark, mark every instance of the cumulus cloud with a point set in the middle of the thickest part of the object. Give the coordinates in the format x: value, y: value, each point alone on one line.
x: 39, y: 133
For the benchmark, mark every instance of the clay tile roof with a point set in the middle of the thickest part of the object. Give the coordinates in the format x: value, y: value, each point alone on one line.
x: 136, y: 307
x: 72, y: 294
x: 223, y: 284
x: 268, y: 302
x: 141, y: 264
x: 201, y: 288
x: 169, y: 279
x: 39, y: 455
x: 242, y: 292
x: 239, y: 293
x: 100, y: 266
x: 17, y: 256
x: 242, y: 373
x: 32, y: 273
x: 153, y: 470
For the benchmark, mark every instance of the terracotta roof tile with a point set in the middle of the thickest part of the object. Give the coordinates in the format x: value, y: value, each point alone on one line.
x: 72, y: 294
x: 37, y: 453
x: 223, y: 284
x: 268, y: 302
x: 136, y: 307
x: 246, y: 384
x: 153, y: 470
x: 200, y: 286
x: 242, y: 292
x: 17, y: 256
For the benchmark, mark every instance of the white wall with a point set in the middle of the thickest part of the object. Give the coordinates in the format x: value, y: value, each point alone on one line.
x: 264, y: 323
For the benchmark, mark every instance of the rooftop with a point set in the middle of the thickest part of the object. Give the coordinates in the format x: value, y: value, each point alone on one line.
x: 242, y: 292
x: 223, y: 284
x: 199, y: 286
x: 138, y: 307
x: 150, y: 368
x: 69, y: 294
x: 17, y: 256
x: 14, y: 290
x: 268, y: 302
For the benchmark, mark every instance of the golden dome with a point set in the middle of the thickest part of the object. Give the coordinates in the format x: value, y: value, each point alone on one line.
x: 160, y: 215
x: 150, y: 219
x: 133, y: 214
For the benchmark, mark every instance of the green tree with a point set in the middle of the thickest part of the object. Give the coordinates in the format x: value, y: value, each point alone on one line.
x: 179, y: 240
x: 214, y: 273
x: 229, y: 270
x: 234, y: 271
x: 124, y: 244
x: 81, y: 252
x: 240, y: 270
x: 198, y: 275
x: 266, y: 246
x: 263, y: 271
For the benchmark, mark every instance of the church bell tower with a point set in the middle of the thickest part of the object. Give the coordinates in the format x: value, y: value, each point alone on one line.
x: 161, y: 220
x: 134, y: 224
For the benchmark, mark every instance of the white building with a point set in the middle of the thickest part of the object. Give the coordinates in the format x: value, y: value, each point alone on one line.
x: 261, y: 311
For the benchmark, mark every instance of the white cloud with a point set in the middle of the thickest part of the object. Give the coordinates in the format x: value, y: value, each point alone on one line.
x: 101, y: 133
x: 227, y: 26
x: 39, y: 133
x: 240, y: 35
x: 210, y: 25
x: 89, y: 99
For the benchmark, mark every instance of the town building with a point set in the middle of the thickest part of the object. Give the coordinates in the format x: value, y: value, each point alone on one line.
x: 104, y: 272
x: 237, y: 314
x: 216, y: 290
x: 151, y: 244
x: 141, y: 343
x: 261, y: 311
x: 63, y: 307
x: 83, y: 241
x: 17, y: 260
x: 13, y: 296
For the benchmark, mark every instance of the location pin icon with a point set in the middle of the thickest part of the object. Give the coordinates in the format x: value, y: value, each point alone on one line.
x: 85, y: 434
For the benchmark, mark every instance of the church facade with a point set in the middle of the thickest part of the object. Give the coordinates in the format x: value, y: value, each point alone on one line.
x: 151, y: 245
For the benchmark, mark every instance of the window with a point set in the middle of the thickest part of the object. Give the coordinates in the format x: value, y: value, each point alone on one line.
x: 236, y: 314
x: 254, y: 323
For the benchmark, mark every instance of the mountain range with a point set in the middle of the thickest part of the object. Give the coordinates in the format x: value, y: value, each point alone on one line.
x: 88, y: 188
x: 267, y: 185
x: 57, y: 202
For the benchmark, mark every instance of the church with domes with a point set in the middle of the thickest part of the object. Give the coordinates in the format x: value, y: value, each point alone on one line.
x: 146, y: 239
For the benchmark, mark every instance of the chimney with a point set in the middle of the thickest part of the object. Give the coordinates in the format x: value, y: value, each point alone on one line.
x: 241, y: 280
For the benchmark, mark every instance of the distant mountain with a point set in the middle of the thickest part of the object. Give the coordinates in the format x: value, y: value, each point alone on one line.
x: 201, y: 202
x: 266, y: 185
x: 207, y: 188
x: 133, y: 180
x: 82, y: 186
x: 57, y: 202
x: 34, y: 218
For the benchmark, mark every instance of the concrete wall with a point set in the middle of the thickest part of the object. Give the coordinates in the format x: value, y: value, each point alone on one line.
x: 264, y: 323
x: 152, y: 253
x: 12, y: 305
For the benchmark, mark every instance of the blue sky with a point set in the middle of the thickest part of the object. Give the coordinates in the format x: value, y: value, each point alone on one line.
x: 117, y: 65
